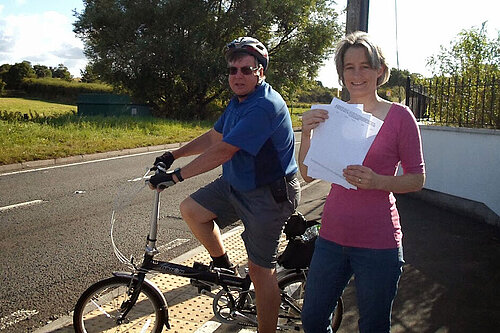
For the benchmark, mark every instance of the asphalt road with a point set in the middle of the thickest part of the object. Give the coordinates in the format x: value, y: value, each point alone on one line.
x: 58, y: 244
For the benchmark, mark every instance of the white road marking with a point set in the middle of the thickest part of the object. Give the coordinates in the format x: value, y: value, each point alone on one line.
x: 172, y: 244
x: 16, y: 317
x: 22, y: 204
x: 209, y: 327
x: 79, y: 163
x: 135, y: 179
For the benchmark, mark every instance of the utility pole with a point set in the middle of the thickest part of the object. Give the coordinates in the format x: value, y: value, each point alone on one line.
x: 357, y: 20
x: 357, y: 15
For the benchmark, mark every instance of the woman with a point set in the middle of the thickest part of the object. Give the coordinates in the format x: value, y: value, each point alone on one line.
x: 360, y: 233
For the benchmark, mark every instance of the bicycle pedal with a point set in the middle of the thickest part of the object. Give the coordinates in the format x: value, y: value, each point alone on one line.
x: 200, y: 266
x: 201, y: 285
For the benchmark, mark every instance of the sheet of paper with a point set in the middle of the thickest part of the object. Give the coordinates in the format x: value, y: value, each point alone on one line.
x: 342, y: 140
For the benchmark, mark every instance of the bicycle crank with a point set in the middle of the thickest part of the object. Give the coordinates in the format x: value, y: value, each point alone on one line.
x: 225, y: 310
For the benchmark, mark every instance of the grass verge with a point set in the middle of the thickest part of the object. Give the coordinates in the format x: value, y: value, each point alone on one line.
x: 36, y: 130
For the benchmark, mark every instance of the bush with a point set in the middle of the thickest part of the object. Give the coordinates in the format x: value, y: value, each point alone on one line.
x: 61, y: 90
x: 17, y: 73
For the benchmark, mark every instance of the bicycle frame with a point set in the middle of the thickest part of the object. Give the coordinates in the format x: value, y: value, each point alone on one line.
x: 150, y: 264
x: 201, y: 273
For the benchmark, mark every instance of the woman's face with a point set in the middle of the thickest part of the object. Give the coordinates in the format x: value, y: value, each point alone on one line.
x: 359, y: 77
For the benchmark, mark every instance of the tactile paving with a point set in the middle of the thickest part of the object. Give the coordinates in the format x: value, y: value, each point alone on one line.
x: 188, y: 310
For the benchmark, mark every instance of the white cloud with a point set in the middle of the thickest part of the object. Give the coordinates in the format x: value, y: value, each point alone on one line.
x: 46, y: 39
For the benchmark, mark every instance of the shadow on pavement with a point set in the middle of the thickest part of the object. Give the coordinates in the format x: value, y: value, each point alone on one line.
x: 450, y: 279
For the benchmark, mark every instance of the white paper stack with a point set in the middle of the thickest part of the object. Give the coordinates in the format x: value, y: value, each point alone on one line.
x: 342, y: 140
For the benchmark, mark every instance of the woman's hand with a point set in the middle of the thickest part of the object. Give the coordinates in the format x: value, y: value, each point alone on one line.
x: 312, y: 118
x: 361, y: 177
x: 365, y: 178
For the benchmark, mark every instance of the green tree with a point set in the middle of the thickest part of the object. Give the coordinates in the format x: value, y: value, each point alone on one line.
x: 463, y: 91
x: 397, y: 78
x: 317, y: 93
x: 169, y: 53
x: 89, y: 75
x: 471, y: 53
x: 4, y: 69
x: 42, y: 71
x: 61, y: 72
x: 14, y: 77
x: 394, y: 89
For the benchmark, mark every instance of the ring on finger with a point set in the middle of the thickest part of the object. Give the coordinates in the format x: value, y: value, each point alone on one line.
x: 359, y: 180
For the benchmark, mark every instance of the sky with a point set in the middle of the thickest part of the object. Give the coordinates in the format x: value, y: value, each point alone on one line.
x: 41, y: 31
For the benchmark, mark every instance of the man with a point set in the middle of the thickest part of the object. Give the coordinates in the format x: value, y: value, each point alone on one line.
x: 253, y: 140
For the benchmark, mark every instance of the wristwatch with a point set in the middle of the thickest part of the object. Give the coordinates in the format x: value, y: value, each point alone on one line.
x: 177, y: 173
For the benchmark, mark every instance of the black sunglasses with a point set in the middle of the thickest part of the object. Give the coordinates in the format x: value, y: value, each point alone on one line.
x: 247, y: 70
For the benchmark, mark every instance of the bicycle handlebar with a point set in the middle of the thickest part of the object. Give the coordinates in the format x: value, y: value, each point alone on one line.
x: 160, y: 168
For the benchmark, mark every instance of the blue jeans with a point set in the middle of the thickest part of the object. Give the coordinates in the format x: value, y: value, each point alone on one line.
x: 376, y: 275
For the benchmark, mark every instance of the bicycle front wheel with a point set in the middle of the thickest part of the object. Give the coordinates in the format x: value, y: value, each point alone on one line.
x: 293, y: 288
x: 99, y: 309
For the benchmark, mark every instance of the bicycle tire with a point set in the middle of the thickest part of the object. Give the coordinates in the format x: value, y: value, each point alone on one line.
x: 293, y: 285
x: 98, y: 308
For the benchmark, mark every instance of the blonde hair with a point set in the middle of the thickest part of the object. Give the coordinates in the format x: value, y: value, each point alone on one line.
x: 373, y: 52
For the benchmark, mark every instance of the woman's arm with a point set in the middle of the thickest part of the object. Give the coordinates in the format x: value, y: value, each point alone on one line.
x: 305, y: 143
x: 365, y: 178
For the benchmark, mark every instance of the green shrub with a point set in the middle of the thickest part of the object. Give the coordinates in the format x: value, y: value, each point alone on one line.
x: 61, y: 90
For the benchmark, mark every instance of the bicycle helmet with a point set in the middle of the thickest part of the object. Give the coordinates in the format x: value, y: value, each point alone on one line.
x: 251, y: 46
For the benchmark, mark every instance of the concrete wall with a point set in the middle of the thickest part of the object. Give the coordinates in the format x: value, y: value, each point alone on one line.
x: 463, y: 163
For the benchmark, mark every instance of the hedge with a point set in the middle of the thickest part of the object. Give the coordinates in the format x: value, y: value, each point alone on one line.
x: 57, y: 89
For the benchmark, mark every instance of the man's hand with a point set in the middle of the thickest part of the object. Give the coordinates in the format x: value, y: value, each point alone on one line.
x: 167, y: 158
x: 161, y: 180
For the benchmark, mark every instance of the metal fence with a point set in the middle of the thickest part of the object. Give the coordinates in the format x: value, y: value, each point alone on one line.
x: 456, y: 101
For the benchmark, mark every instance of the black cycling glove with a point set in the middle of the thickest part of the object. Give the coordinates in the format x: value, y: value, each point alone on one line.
x: 162, y: 180
x: 167, y: 158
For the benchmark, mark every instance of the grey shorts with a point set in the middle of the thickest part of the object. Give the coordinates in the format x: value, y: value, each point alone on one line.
x: 261, y: 215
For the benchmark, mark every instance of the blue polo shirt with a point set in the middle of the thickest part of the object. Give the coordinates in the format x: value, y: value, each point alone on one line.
x: 261, y: 127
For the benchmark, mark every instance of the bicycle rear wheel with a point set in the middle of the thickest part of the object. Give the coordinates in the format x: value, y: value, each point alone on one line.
x: 99, y: 308
x: 293, y: 288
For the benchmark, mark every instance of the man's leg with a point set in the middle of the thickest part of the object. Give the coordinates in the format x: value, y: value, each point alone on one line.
x: 201, y: 222
x: 267, y: 296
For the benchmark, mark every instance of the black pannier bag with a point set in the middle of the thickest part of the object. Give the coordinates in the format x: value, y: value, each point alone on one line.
x: 298, y: 252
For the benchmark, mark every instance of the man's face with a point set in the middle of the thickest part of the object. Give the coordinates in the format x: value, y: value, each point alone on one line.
x: 244, y: 84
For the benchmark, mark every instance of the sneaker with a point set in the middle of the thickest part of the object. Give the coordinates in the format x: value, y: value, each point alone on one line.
x: 233, y: 270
